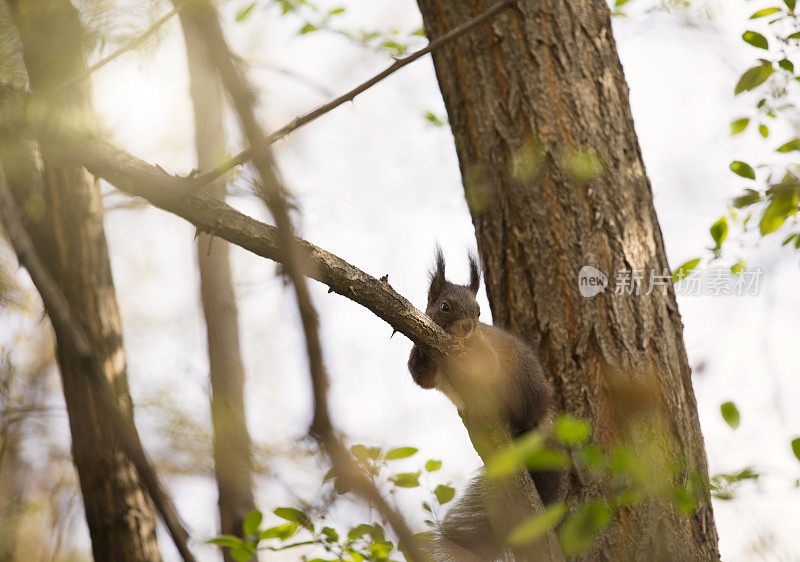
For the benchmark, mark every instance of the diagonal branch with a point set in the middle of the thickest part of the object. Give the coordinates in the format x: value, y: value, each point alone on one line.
x: 249, y: 153
x: 139, y: 178
x: 68, y: 328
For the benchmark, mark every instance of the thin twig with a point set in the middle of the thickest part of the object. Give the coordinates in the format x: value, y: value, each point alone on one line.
x: 298, y: 122
x: 132, y: 44
x: 75, y: 338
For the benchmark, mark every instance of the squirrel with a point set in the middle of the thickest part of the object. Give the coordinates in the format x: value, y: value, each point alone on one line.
x: 525, y: 396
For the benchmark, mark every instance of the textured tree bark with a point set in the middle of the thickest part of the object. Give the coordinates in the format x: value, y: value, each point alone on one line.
x: 232, y: 453
x: 66, y: 222
x: 527, y: 96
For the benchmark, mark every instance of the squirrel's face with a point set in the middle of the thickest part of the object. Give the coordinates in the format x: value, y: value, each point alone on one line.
x: 456, y: 310
x: 451, y: 306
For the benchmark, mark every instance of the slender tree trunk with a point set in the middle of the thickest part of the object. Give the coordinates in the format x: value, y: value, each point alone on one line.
x: 232, y: 452
x: 530, y: 97
x: 65, y: 219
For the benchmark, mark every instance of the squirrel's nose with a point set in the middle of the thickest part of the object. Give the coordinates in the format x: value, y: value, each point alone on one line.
x: 462, y: 328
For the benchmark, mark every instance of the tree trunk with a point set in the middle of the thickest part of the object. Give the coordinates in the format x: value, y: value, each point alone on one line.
x: 65, y: 219
x: 555, y: 181
x: 232, y: 453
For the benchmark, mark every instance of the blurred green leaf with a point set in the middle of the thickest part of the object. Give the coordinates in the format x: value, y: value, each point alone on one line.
x: 774, y: 216
x: 281, y: 532
x: 755, y: 39
x: 578, y: 533
x: 742, y: 169
x: 359, y: 531
x: 433, y: 465
x: 252, y: 522
x: 293, y: 515
x: 401, y: 453
x: 786, y: 65
x: 683, y: 271
x: 572, y: 431
x: 790, y: 146
x: 796, y: 447
x: 765, y: 12
x: 719, y: 231
x: 753, y: 77
x: 739, y: 125
x: 406, y: 479
x: 444, y: 493
x: 245, y: 12
x: 535, y: 527
x: 763, y: 130
x: 750, y: 197
x: 225, y: 540
x: 730, y: 414
x: 739, y: 267
x: 789, y: 4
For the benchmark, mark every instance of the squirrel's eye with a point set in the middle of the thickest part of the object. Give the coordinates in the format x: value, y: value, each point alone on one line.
x: 444, y: 307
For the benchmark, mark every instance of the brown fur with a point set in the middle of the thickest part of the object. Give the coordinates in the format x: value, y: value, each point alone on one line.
x: 510, y: 368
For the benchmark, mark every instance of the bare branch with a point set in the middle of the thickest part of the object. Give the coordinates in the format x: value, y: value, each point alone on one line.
x: 68, y: 328
x: 298, y: 122
x: 132, y: 44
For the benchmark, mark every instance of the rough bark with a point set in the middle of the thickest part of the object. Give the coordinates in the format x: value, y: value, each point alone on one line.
x: 66, y: 222
x: 535, y: 85
x: 232, y: 452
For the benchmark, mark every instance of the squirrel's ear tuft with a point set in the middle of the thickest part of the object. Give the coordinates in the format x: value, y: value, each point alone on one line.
x: 474, y: 273
x: 437, y: 276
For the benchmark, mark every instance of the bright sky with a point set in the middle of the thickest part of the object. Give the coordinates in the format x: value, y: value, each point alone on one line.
x: 378, y: 186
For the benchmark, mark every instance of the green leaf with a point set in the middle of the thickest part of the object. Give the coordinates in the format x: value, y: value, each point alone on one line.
x: 739, y: 125
x: 444, y: 493
x: 790, y: 146
x: 308, y: 28
x: 547, y: 459
x: 765, y: 12
x: 755, y: 39
x: 774, y: 216
x: 572, y: 431
x: 742, y: 169
x: 683, y: 271
x: 739, y: 267
x: 719, y: 231
x: 749, y: 198
x: 243, y: 552
x: 406, y: 479
x: 330, y: 534
x: 730, y: 414
x: 293, y: 515
x: 531, y: 530
x: 359, y: 531
x: 243, y: 13
x: 401, y: 453
x: 225, y: 540
x: 433, y: 465
x: 579, y: 531
x: 510, y: 460
x: 360, y: 452
x: 795, y: 35
x: 796, y: 447
x: 753, y: 77
x: 787, y: 65
x: 336, y: 11
x: 789, y: 239
x: 790, y: 4
x: 252, y: 522
x: 763, y: 130
x: 282, y: 532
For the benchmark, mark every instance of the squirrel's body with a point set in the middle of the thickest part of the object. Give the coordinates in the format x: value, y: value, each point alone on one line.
x: 509, y: 369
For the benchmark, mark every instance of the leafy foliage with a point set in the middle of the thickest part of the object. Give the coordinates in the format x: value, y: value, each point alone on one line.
x: 358, y: 542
